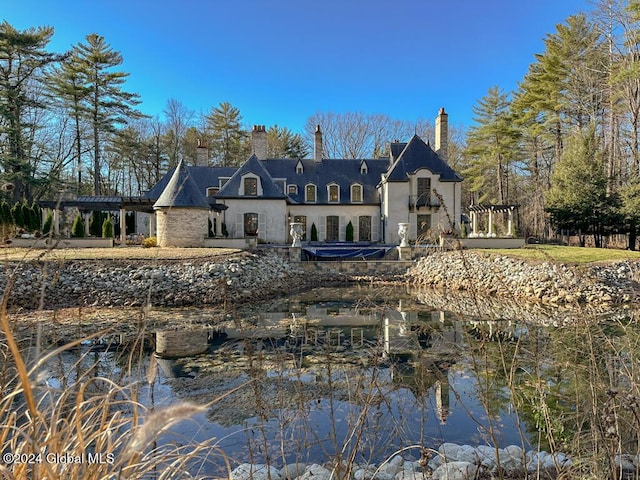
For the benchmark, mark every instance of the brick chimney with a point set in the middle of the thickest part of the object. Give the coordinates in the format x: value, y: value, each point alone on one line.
x: 202, y: 154
x: 259, y: 141
x: 317, y: 145
x: 442, y: 134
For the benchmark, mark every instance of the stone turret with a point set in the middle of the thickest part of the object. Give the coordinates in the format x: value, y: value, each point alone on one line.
x: 182, y: 212
x: 442, y: 135
x: 259, y: 141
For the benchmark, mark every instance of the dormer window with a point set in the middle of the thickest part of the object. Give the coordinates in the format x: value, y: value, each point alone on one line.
x: 364, y: 168
x: 356, y: 193
x: 211, y: 191
x: 251, y: 186
x: 299, y: 168
x: 333, y: 193
x: 292, y: 189
x: 222, y: 181
x: 310, y: 193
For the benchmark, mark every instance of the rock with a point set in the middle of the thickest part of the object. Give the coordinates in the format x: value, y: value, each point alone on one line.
x: 259, y: 471
x: 455, y: 471
x: 315, y: 472
x: 293, y: 470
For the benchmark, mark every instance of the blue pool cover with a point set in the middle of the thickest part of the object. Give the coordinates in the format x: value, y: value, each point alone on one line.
x: 335, y: 252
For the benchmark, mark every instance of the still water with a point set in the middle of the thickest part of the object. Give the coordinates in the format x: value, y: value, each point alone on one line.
x: 361, y: 373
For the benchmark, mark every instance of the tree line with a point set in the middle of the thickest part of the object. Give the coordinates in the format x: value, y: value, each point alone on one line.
x: 68, y: 124
x: 564, y: 145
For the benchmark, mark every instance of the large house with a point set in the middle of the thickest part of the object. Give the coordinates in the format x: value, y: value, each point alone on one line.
x: 264, y: 195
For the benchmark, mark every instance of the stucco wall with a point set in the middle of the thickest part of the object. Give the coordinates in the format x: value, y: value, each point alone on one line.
x: 272, y: 218
x: 181, y: 227
x: 347, y: 213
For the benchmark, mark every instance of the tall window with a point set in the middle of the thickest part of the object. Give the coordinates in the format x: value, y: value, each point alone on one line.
x: 310, y: 193
x: 364, y: 229
x: 424, y: 192
x: 334, y: 193
x: 333, y: 228
x: 251, y: 224
x: 251, y: 186
x: 356, y: 193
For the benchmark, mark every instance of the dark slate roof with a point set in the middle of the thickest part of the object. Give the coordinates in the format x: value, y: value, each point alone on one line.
x: 269, y: 187
x: 203, y: 176
x: 343, y: 172
x: 416, y: 155
x: 182, y: 191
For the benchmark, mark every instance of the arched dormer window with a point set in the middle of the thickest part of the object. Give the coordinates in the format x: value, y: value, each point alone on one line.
x: 356, y: 193
x: 310, y: 193
x: 333, y: 193
x: 250, y: 186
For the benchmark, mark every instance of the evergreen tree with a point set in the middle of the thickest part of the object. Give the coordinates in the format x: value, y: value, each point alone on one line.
x: 77, y: 228
x: 95, y: 223
x: 23, y: 59
x: 349, y: 232
x: 16, y: 215
x: 107, y: 104
x: 283, y: 143
x: 107, y: 227
x: 314, y: 233
x: 492, y: 149
x: 577, y: 200
x: 48, y: 224
x: 226, y: 138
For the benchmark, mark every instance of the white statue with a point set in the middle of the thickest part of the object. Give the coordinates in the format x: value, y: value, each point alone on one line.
x: 403, y: 228
x: 296, y: 234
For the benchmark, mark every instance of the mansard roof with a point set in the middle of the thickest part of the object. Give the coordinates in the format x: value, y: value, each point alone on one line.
x: 181, y: 191
x: 269, y: 187
x: 343, y: 172
x: 416, y: 155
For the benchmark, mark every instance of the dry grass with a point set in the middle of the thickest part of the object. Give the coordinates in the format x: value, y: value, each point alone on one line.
x: 118, y: 253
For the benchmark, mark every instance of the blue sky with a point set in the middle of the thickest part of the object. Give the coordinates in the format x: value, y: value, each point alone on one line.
x: 280, y: 61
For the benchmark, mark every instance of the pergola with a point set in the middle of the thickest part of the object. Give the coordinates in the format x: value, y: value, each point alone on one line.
x: 475, y: 210
x: 88, y: 204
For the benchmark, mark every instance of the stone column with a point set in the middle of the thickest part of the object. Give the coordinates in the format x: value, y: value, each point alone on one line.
x: 86, y: 219
x: 152, y: 225
x: 123, y: 227
x: 490, y: 229
x: 56, y: 222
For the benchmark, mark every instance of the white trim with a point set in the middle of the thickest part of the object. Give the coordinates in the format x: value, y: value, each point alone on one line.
x: 329, y: 185
x: 351, y: 192
x: 315, y: 189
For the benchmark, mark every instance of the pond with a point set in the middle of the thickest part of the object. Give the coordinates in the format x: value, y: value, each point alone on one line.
x: 361, y: 373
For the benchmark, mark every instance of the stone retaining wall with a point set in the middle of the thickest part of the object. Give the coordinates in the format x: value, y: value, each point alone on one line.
x: 550, y: 283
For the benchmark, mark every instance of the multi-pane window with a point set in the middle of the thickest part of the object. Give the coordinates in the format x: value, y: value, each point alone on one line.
x: 424, y: 227
x: 364, y: 229
x: 356, y: 193
x: 424, y: 191
x: 334, y: 193
x: 251, y: 186
x: 251, y: 224
x: 310, y: 193
x: 333, y: 228
x: 293, y: 189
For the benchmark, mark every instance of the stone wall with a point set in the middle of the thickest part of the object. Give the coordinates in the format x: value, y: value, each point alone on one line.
x: 551, y: 283
x: 182, y: 227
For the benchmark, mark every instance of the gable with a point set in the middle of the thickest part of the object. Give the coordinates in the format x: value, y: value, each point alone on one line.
x: 418, y: 155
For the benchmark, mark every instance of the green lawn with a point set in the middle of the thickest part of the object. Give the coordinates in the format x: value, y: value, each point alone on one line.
x: 562, y: 254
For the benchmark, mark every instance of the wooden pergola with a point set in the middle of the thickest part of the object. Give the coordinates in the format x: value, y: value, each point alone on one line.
x: 475, y: 210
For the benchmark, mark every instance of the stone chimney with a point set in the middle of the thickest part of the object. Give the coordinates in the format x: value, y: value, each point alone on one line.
x: 442, y: 134
x: 259, y: 141
x: 202, y: 154
x: 317, y: 145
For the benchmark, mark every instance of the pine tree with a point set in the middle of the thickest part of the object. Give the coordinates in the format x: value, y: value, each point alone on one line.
x: 492, y: 149
x: 107, y: 104
x: 107, y: 227
x: 23, y: 59
x: 225, y: 135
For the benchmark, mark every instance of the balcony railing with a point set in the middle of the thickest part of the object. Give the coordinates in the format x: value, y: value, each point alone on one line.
x: 425, y: 200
